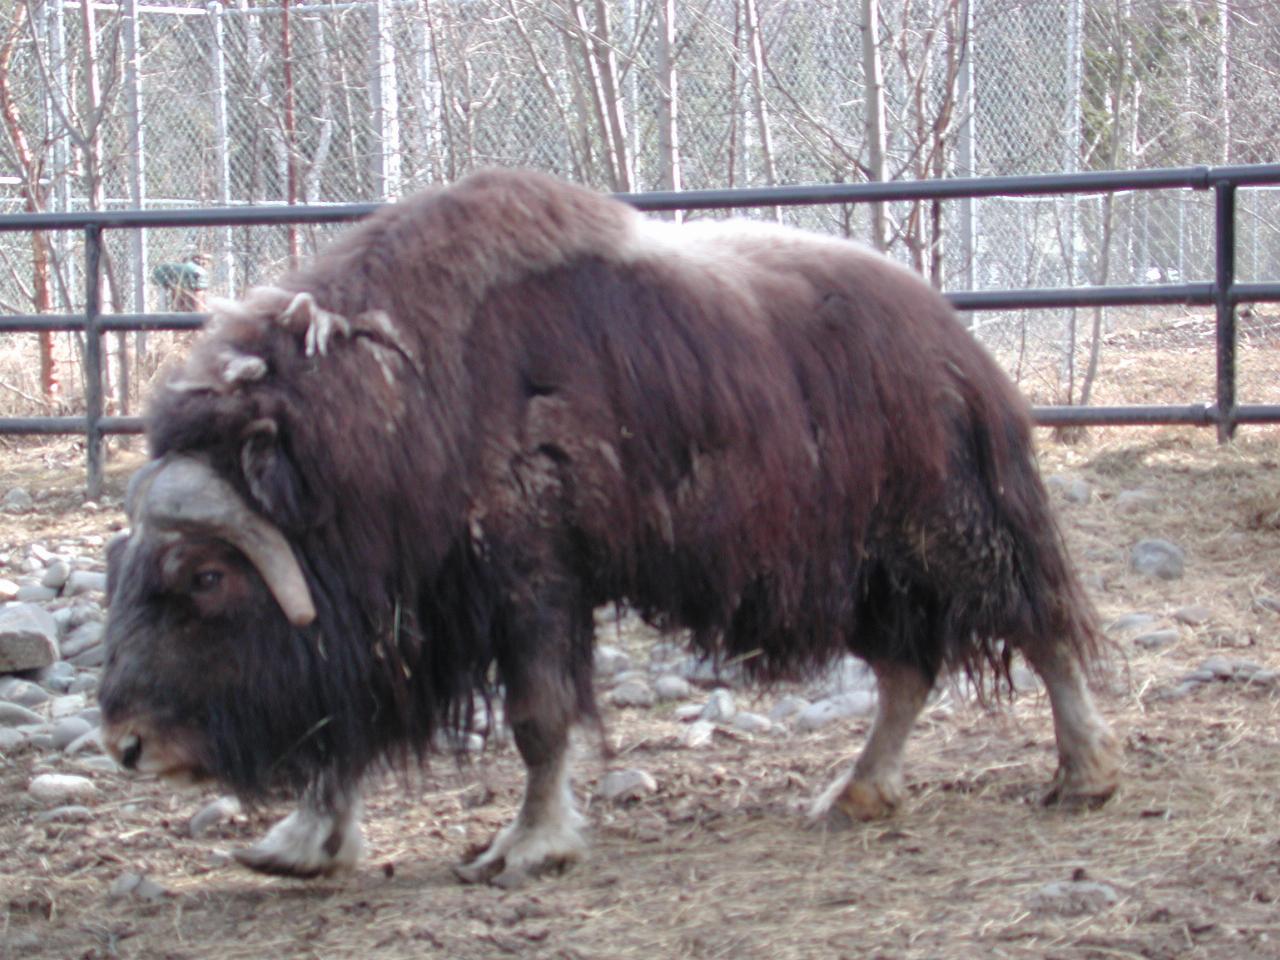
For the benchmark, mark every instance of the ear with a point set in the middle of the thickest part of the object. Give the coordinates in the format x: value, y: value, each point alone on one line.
x: 270, y: 475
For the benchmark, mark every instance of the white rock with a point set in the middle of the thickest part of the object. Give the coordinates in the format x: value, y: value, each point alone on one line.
x: 672, y: 687
x: 83, y: 582
x: 212, y: 814
x: 787, y: 707
x: 11, y: 741
x: 81, y: 638
x: 632, y: 693
x: 860, y: 703
x: 610, y: 660
x: 68, y: 730
x: 622, y: 785
x: 59, y: 789
x: 28, y: 638
x: 67, y: 705
x: 56, y: 575
x: 699, y: 733
x: 749, y: 722
x: 719, y: 708
x: 8, y: 590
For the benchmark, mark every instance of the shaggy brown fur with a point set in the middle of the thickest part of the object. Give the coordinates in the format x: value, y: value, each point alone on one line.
x: 522, y: 400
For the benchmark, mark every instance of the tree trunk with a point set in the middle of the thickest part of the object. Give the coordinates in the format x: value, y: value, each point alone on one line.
x: 756, y: 45
x: 873, y: 71
x: 668, y: 100
x: 32, y: 202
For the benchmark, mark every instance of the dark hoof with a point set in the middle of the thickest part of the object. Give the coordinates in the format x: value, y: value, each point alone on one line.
x: 475, y: 872
x: 261, y: 862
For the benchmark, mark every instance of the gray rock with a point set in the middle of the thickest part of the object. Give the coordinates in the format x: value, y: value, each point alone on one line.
x: 1193, y: 616
x: 84, y: 582
x: 610, y: 660
x: 860, y: 703
x: 82, y: 638
x: 68, y: 730
x: 632, y: 693
x: 1136, y: 501
x: 28, y: 638
x: 720, y: 708
x: 699, y: 733
x: 704, y: 673
x: 847, y: 674
x: 1025, y: 680
x: 85, y: 681
x: 672, y: 687
x: 688, y: 712
x: 90, y: 742
x: 749, y: 722
x: 1131, y: 621
x: 15, y: 715
x: 57, y: 677
x: 35, y: 593
x: 1218, y: 667
x: 137, y: 886
x: 787, y: 707
x: 74, y: 813
x: 11, y: 741
x: 1269, y: 604
x: 39, y: 735
x: 91, y: 714
x: 1073, y: 898
x: 59, y: 789
x: 1070, y: 488
x: 22, y: 692
x: 1157, y: 558
x: 622, y: 785
x: 1157, y: 639
x: 212, y: 814
x: 56, y: 575
x: 93, y: 657
x: 17, y: 500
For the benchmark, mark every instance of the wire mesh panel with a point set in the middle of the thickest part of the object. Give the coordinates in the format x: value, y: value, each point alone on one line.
x: 275, y: 102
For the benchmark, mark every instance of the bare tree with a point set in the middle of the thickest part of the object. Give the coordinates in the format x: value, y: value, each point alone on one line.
x: 30, y: 159
x: 873, y: 71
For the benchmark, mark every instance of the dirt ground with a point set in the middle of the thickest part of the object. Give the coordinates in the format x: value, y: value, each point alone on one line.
x: 719, y: 862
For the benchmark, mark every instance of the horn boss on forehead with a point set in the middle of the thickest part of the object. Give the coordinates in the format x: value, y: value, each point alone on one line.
x: 184, y: 494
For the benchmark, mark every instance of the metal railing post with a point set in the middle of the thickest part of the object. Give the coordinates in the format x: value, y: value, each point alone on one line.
x: 1224, y: 277
x: 93, y: 358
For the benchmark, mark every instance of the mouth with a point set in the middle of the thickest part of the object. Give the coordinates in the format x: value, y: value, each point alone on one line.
x: 150, y: 756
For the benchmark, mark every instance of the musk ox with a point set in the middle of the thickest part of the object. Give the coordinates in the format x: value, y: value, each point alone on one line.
x: 404, y: 477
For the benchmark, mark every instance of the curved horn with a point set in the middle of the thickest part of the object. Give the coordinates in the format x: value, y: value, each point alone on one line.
x: 184, y: 493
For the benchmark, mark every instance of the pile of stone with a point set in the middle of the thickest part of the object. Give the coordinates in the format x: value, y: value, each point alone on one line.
x: 52, y: 597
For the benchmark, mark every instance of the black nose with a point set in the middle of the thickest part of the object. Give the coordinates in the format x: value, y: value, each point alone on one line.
x: 132, y: 751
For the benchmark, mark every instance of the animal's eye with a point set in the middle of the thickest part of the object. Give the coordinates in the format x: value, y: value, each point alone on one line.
x: 205, y: 580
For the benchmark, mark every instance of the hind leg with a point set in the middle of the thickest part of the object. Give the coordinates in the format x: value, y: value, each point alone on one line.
x: 873, y: 787
x: 545, y: 666
x: 1088, y: 753
x: 545, y: 834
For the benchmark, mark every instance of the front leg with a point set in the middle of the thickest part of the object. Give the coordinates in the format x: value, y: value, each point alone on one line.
x: 320, y: 838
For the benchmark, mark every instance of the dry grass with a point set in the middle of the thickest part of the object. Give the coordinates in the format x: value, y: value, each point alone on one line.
x: 718, y: 862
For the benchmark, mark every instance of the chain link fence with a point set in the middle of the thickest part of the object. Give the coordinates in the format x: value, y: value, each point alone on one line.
x: 185, y: 104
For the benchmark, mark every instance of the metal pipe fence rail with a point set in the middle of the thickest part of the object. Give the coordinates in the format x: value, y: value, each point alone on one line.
x: 1222, y: 292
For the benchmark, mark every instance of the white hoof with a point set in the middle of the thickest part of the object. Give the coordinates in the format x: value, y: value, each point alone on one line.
x: 307, y: 844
